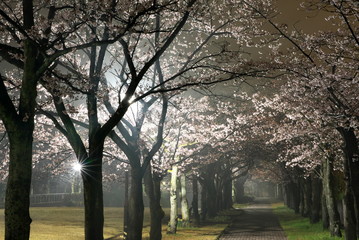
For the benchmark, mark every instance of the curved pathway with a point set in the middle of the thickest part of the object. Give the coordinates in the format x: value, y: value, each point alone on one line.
x: 256, y: 222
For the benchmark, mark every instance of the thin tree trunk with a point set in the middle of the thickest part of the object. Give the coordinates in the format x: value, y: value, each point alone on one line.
x: 349, y: 209
x: 125, y: 206
x: 136, y: 207
x: 285, y: 195
x: 172, y: 225
x: 279, y: 195
x: 239, y: 188
x: 307, y: 197
x: 325, y: 216
x: 227, y: 193
x: 196, y: 217
x: 204, y: 204
x: 316, y: 199
x: 184, y: 202
x: 218, y: 196
x: 302, y: 191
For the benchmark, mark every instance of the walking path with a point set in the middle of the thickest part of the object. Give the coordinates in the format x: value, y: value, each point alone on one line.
x: 256, y: 222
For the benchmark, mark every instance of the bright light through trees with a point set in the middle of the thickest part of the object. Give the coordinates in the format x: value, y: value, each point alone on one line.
x: 108, y: 75
x: 77, y: 167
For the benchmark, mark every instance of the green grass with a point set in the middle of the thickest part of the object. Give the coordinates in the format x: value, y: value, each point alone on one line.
x: 58, y: 223
x: 297, y: 227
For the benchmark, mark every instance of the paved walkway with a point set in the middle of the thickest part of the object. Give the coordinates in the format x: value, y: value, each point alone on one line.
x: 256, y: 222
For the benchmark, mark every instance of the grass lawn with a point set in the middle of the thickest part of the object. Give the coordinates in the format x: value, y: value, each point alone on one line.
x: 297, y: 227
x: 58, y: 223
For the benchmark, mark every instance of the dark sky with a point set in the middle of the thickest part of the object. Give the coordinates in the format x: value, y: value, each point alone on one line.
x: 293, y: 14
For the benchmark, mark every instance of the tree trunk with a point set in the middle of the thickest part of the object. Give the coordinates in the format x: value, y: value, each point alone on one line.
x: 286, y: 199
x: 204, y: 204
x: 316, y: 199
x: 19, y: 124
x: 125, y: 206
x: 349, y: 217
x: 292, y: 193
x: 227, y: 193
x: 136, y: 208
x: 172, y: 225
x: 211, y: 197
x: 219, y: 195
x: 239, y: 188
x: 196, y: 217
x: 17, y: 200
x: 295, y: 193
x: 93, y: 193
x: 351, y: 173
x: 302, y: 196
x: 279, y: 192
x: 325, y: 216
x: 334, y: 220
x: 307, y: 197
x: 349, y: 209
x: 153, y: 191
x: 184, y: 202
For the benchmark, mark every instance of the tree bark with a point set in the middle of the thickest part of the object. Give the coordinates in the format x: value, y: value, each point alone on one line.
x: 316, y: 199
x: 351, y: 175
x: 125, y: 206
x: 349, y: 209
x: 19, y: 124
x: 292, y: 194
x: 17, y: 200
x: 239, y: 188
x: 334, y: 220
x: 302, y: 193
x: 153, y: 191
x: 172, y: 225
x: 307, y: 197
x: 136, y: 207
x: 93, y: 193
x: 184, y: 202
x: 211, y: 197
x: 196, y: 217
x: 227, y: 193
x: 204, y: 204
x: 325, y: 216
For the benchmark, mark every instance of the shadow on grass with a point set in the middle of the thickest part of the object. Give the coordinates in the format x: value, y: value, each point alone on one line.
x: 297, y: 227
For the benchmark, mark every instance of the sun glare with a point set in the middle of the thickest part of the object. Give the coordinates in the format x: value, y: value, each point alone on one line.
x: 77, y: 167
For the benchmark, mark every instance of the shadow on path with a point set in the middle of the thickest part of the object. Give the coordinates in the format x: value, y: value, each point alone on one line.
x: 255, y: 222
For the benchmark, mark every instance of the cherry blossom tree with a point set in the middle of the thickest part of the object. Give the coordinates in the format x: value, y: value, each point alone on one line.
x: 72, y: 48
x: 306, y: 147
x: 321, y: 85
x: 34, y: 35
x: 159, y: 33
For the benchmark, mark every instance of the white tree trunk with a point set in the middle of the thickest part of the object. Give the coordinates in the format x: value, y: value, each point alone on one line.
x: 184, y: 202
x: 172, y: 225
